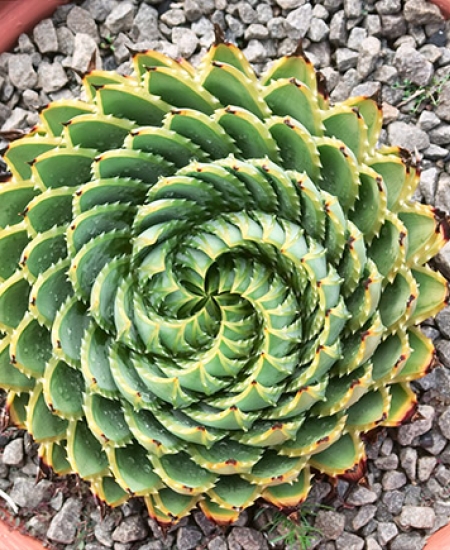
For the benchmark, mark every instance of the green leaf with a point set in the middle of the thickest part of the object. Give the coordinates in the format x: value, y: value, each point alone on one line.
x: 64, y: 167
x: 289, y: 495
x: 50, y: 208
x: 297, y: 148
x: 340, y: 457
x: 231, y: 87
x: 339, y: 172
x: 292, y: 98
x: 175, y: 87
x: 42, y: 424
x: 168, y: 144
x: 123, y: 163
x: 11, y: 378
x: 13, y: 301
x: 98, y: 132
x: 347, y: 125
x: 63, y: 389
x: 250, y: 135
x: 30, y: 347
x: 44, y: 251
x: 58, y: 113
x: 93, y: 256
x: 95, y: 365
x: 96, y: 221
x: 106, y: 420
x: 234, y: 493
x: 14, y: 197
x: 21, y: 153
x: 133, y: 469
x: 202, y: 131
x: 68, y: 330
x: 108, y: 191
x: 12, y: 241
x: 85, y: 453
x: 49, y: 292
x: 226, y: 457
x: 132, y: 103
x: 182, y: 475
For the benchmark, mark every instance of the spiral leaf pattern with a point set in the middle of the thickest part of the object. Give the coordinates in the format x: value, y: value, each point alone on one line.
x: 211, y: 283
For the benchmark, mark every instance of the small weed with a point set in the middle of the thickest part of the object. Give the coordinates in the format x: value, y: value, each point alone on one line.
x: 107, y: 43
x: 295, y: 530
x: 420, y: 96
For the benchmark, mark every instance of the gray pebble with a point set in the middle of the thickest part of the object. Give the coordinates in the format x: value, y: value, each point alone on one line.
x: 349, y: 541
x: 421, y: 12
x: 428, y: 182
x: 408, y: 459
x: 29, y: 494
x: 356, y: 36
x: 443, y: 321
x: 277, y: 27
x: 81, y: 21
x: 413, y: 66
x: 388, y: 7
x: 264, y: 13
x: 410, y: 137
x: 66, y: 40
x: 444, y: 423
x: 389, y: 462
x: 338, y: 29
x: 21, y: 71
x: 442, y: 474
x: 173, y: 17
x: 394, y: 501
x: 63, y: 527
x: 419, y: 517
x: 359, y: 496
x: 440, y: 135
x: 52, y: 76
x: 393, y: 480
x: 44, y: 35
x: 130, y: 529
x: 425, y: 467
x: 353, y: 8
x: 318, y: 30
x: 188, y: 538
x: 330, y: 524
x: 186, y: 40
x: 369, y: 52
x: 364, y: 515
x: 372, y: 544
x: 121, y: 18
x: 443, y: 109
x: 290, y: 4
x: 407, y: 541
x: 255, y: 52
x: 299, y: 21
x: 85, y: 50
x: 393, y: 26
x: 442, y: 195
x: 386, y: 531
x: 13, y: 453
x: 428, y: 120
x: 346, y: 59
x: 443, y: 346
x: 218, y: 543
x: 256, y: 31
x: 247, y: 538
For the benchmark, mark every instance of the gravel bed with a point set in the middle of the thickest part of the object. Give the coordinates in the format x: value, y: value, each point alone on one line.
x: 400, y: 48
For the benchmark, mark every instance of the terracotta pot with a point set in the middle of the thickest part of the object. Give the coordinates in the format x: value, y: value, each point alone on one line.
x: 439, y: 540
x: 13, y: 540
x: 444, y: 6
x: 18, y: 16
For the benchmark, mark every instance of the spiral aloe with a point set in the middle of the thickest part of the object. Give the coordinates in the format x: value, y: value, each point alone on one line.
x: 210, y: 283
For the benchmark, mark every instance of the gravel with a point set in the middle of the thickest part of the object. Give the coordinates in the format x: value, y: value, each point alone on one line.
x: 400, y: 48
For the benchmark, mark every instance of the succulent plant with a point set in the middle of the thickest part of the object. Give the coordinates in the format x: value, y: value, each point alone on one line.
x: 211, y: 283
